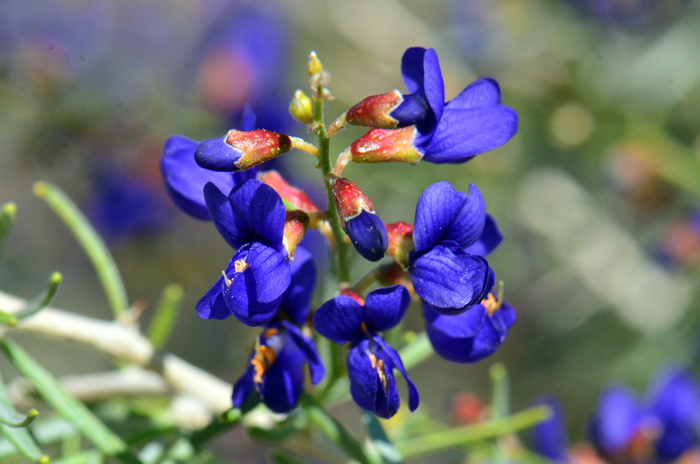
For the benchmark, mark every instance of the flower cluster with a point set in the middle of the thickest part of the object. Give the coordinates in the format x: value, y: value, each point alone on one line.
x: 440, y: 260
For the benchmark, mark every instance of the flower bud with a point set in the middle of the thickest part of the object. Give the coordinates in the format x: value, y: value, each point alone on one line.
x: 354, y: 295
x: 295, y: 225
x: 296, y: 197
x: 388, y: 111
x: 393, y: 274
x: 400, y: 242
x: 381, y: 146
x: 314, y: 65
x: 359, y: 220
x: 240, y: 150
x: 301, y: 108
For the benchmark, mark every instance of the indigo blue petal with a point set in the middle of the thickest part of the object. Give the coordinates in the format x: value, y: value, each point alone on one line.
x: 270, y: 271
x: 483, y: 92
x: 224, y: 219
x: 412, y: 69
x: 248, y: 118
x: 296, y: 301
x: 413, y: 396
x: 462, y: 134
x: 385, y: 307
x: 489, y: 239
x: 368, y: 235
x: 388, y: 400
x: 241, y: 176
x: 259, y: 212
x: 363, y: 377
x: 616, y: 419
x: 243, y: 386
x: 434, y: 89
x: 215, y: 154
x: 675, y: 399
x: 413, y: 110
x: 453, y: 337
x: 241, y: 296
x: 184, y: 179
x: 449, y: 279
x: 283, y: 383
x: 307, y: 346
x: 213, y: 305
x: 339, y: 319
x: 442, y: 213
x: 549, y: 438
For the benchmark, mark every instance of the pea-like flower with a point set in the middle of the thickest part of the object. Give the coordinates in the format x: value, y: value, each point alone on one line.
x: 276, y: 368
x: 447, y: 224
x: 472, y: 335
x: 371, y: 362
x: 251, y: 219
x: 184, y: 179
x: 549, y: 438
x: 474, y: 122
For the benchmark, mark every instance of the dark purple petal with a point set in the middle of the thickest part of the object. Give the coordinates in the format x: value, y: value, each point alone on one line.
x: 385, y: 307
x: 184, y: 179
x: 463, y: 134
x: 616, y: 419
x: 489, y: 239
x: 483, y: 92
x: 283, y: 383
x: 413, y: 396
x: 453, y: 337
x: 215, y: 154
x: 449, y: 279
x: 241, y: 176
x: 368, y: 235
x: 270, y: 271
x: 307, y: 346
x: 241, y: 295
x: 366, y: 387
x: 213, y: 305
x: 413, y: 110
x: 339, y: 319
x: 549, y: 438
x: 296, y: 301
x: 248, y: 119
x: 243, y: 386
x: 412, y: 69
x: 442, y: 213
x: 434, y: 89
x: 675, y: 399
x: 492, y: 334
x: 224, y: 219
x: 259, y: 212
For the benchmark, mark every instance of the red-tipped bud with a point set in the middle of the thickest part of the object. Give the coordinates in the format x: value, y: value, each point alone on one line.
x: 288, y: 193
x: 349, y: 199
x: 354, y: 295
x: 381, y: 146
x: 374, y: 111
x: 258, y: 146
x: 400, y: 242
x: 295, y: 225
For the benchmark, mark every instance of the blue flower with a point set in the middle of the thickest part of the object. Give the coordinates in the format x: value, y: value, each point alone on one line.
x: 454, y: 132
x: 472, y: 335
x: 251, y: 219
x: 296, y: 300
x: 371, y: 362
x: 675, y: 400
x: 276, y: 368
x: 549, y: 438
x: 185, y: 180
x: 620, y: 421
x: 447, y: 224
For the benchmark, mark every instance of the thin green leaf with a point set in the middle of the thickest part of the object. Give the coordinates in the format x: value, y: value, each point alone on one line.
x: 86, y: 457
x: 42, y: 300
x: 166, y: 315
x: 500, y: 401
x: 68, y: 407
x: 381, y: 441
x: 12, y: 418
x: 472, y: 433
x: 19, y: 437
x: 8, y: 319
x: 7, y: 218
x: 91, y: 243
x: 285, y: 457
x: 335, y: 432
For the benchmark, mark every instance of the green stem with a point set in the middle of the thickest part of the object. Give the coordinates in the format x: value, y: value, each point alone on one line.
x: 472, y: 433
x: 324, y: 158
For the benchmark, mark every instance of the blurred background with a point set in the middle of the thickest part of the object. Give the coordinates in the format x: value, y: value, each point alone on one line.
x: 598, y: 195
